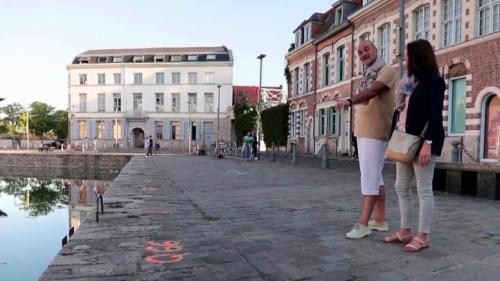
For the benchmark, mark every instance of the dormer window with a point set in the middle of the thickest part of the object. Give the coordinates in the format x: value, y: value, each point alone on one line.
x: 298, y: 38
x: 117, y: 59
x: 175, y: 58
x: 159, y: 58
x: 307, y: 33
x: 338, y: 16
x: 138, y: 58
x: 192, y: 58
x: 210, y: 57
x: 84, y: 60
x: 101, y: 59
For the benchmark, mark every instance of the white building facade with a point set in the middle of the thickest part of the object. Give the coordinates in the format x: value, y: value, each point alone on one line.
x: 124, y: 96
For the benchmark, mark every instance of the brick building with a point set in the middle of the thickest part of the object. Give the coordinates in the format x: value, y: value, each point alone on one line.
x: 465, y: 35
x: 270, y: 96
x: 320, y: 69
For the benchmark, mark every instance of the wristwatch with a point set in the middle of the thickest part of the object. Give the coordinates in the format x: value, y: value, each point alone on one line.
x: 428, y: 141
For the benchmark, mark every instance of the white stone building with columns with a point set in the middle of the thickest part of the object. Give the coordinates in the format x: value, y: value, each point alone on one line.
x: 125, y: 95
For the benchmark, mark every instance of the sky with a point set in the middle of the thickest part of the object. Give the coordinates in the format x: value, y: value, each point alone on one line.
x: 38, y: 38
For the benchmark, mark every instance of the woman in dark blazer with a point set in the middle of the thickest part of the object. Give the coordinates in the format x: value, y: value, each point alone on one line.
x: 423, y: 117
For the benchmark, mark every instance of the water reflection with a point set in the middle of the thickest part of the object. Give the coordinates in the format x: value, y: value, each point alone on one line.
x: 40, y: 212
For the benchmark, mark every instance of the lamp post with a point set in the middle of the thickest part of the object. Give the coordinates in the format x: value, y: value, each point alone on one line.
x: 218, y: 113
x: 189, y: 125
x: 401, y: 36
x: 260, y: 57
x: 116, y: 126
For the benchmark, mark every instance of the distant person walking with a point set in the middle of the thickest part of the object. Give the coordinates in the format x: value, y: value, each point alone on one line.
x: 255, y: 145
x: 422, y: 111
x: 375, y: 100
x: 157, y: 147
x: 150, y: 146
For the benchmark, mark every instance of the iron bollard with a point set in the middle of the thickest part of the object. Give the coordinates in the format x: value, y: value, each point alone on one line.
x: 294, y: 154
x: 273, y: 152
x: 455, y: 152
x: 97, y: 209
x: 324, y: 164
x: 102, y: 204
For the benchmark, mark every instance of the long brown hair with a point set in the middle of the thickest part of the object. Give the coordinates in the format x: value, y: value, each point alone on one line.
x: 421, y: 59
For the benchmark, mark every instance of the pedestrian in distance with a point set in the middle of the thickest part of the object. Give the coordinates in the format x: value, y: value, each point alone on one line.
x: 422, y: 112
x: 255, y: 144
x: 157, y: 147
x: 374, y: 112
x: 247, y: 146
x: 150, y: 146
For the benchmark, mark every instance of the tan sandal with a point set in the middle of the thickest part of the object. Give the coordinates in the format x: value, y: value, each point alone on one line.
x: 396, y: 238
x: 416, y: 245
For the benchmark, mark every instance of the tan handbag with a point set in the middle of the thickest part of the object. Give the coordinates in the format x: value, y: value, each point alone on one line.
x: 403, y: 147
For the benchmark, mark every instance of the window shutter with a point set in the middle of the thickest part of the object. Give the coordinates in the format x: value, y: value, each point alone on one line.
x: 181, y: 137
x: 167, y: 130
x: 109, y: 129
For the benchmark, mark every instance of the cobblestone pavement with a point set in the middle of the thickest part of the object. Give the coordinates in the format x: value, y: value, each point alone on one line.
x: 195, y: 218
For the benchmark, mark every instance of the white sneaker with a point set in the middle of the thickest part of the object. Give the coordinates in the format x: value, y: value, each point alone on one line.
x: 358, y: 231
x: 379, y: 226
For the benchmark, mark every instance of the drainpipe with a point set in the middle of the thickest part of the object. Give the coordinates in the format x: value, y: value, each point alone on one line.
x: 352, y: 89
x: 314, y: 103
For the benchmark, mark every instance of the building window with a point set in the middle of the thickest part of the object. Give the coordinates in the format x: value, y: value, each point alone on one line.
x: 138, y: 59
x: 293, y: 124
x: 159, y: 130
x: 138, y: 78
x: 192, y: 78
x: 160, y: 78
x: 192, y: 58
x: 176, y: 102
x: 159, y: 58
x: 489, y: 16
x: 83, y: 79
x: 117, y: 103
x: 452, y: 22
x: 326, y: 69
x: 340, y: 71
x: 192, y: 102
x: 117, y: 59
x: 366, y: 2
x: 137, y: 105
x: 101, y: 102
x: 307, y: 33
x: 302, y: 121
x: 101, y: 79
x: 211, y: 57
x: 209, y: 102
x: 100, y: 129
x: 117, y: 130
x: 422, y: 17
x: 82, y: 129
x: 338, y: 16
x: 458, y: 105
x: 322, y: 122
x: 193, y: 130
x: 209, y: 78
x: 333, y: 122
x: 296, y: 84
x: 159, y: 102
x: 83, y: 102
x: 306, y: 77
x: 176, y: 130
x: 384, y: 42
x: 176, y: 77
x: 117, y: 78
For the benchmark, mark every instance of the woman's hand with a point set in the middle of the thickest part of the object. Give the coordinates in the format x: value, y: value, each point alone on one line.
x: 424, y: 157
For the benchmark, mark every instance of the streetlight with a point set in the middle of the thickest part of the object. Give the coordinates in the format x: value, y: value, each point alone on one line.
x: 189, y: 125
x: 218, y: 113
x: 260, y: 57
x: 116, y: 125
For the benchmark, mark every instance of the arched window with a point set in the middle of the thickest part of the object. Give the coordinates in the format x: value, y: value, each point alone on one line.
x: 491, y: 127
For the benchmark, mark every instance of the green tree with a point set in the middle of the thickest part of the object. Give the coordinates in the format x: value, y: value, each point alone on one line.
x: 61, y: 124
x: 275, y: 124
x: 12, y: 114
x: 245, y: 119
x: 42, y: 118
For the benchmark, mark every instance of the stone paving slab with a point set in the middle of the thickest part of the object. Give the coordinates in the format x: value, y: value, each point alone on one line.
x: 196, y: 218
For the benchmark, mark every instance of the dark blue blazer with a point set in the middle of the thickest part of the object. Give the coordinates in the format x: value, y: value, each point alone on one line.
x: 426, y: 105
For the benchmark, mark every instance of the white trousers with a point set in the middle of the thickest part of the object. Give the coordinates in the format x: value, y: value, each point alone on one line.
x: 371, y: 163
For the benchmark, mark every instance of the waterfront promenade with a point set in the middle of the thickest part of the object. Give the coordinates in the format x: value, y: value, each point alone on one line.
x: 196, y: 218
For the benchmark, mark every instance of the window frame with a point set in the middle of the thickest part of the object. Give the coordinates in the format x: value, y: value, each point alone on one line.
x: 451, y: 114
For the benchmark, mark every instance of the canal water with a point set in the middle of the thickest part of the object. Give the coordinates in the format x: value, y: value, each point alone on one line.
x: 39, y: 214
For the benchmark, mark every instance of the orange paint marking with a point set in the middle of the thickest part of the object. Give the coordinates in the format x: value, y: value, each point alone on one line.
x: 164, y: 252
